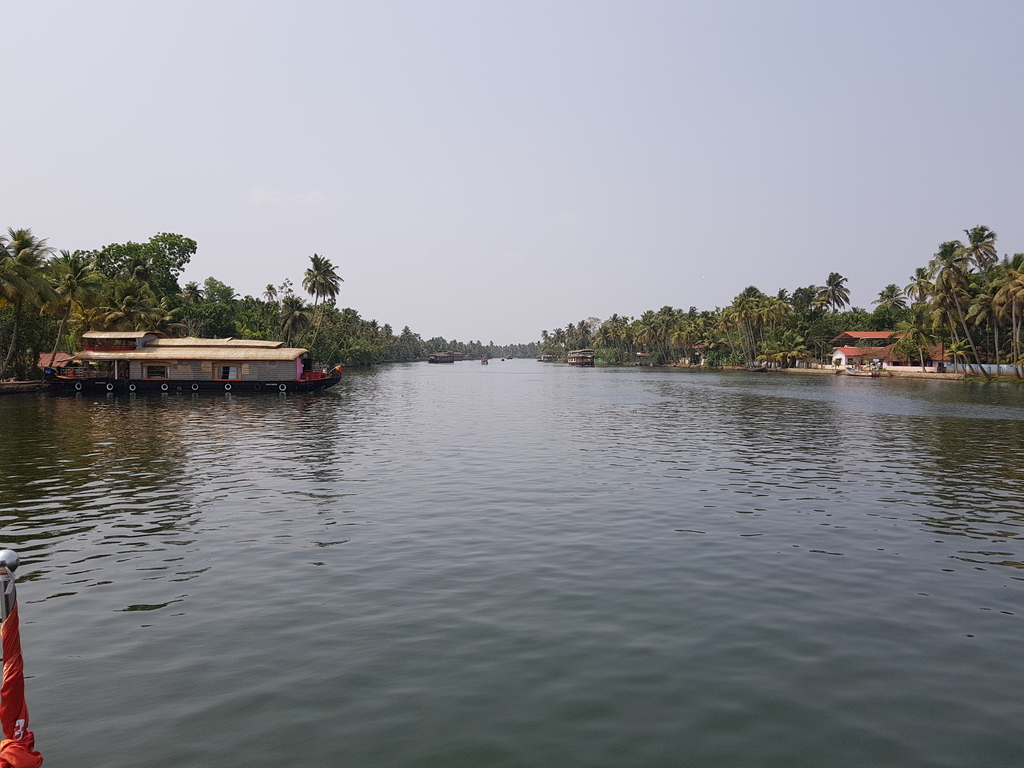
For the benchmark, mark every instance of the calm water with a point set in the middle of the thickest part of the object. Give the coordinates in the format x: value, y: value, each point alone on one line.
x: 524, y: 565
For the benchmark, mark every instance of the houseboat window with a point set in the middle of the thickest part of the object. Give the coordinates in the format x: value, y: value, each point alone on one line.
x: 226, y: 372
x: 156, y: 372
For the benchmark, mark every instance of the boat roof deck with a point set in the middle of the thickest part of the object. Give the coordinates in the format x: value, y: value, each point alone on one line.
x: 196, y: 353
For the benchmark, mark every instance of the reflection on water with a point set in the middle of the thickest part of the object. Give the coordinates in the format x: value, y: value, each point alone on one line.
x: 524, y: 564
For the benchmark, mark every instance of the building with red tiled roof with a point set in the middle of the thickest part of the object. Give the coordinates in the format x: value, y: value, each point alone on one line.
x: 851, y: 338
x: 850, y: 349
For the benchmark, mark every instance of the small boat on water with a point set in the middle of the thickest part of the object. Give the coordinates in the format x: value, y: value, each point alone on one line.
x: 114, y: 362
x: 483, y: 360
x: 867, y: 374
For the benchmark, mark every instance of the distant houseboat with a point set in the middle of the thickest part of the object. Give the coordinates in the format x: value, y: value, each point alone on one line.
x: 584, y: 357
x: 547, y: 358
x: 441, y: 357
x: 149, y: 361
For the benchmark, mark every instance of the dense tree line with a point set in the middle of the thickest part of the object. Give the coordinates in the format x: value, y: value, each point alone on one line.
x: 966, y: 300
x: 49, y: 298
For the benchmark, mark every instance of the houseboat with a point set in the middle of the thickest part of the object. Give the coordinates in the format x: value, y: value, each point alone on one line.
x: 441, y: 357
x: 150, y: 361
x: 584, y: 357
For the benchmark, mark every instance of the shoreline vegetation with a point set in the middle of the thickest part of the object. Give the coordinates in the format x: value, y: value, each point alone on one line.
x: 48, y: 299
x: 965, y: 306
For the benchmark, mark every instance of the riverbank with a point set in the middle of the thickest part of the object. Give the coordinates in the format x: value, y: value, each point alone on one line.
x: 19, y: 387
x: 888, y: 372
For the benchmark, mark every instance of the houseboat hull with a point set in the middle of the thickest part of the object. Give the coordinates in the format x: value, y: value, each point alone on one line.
x: 110, y: 386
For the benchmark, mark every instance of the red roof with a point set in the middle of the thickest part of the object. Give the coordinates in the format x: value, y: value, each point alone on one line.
x: 885, y: 353
x: 853, y: 336
x: 872, y: 353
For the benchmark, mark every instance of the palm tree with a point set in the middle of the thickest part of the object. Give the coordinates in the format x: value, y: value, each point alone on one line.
x: 192, y: 293
x: 1010, y: 293
x: 560, y: 339
x: 949, y: 268
x: 981, y: 247
x: 294, y: 317
x: 22, y: 278
x: 915, y: 333
x: 75, y: 282
x: 270, y: 293
x: 137, y: 311
x: 835, y: 294
x: 959, y: 349
x: 921, y: 286
x: 320, y: 281
x: 892, y: 297
x: 584, y: 336
x: 985, y: 310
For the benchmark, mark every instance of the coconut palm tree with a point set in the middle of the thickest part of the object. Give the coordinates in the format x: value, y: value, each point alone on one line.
x: 1010, y: 296
x: 981, y: 247
x: 136, y: 311
x: 321, y: 281
x: 921, y: 286
x: 834, y: 293
x: 949, y: 268
x: 192, y: 293
x: 294, y: 318
x: 984, y: 310
x: 916, y: 334
x: 22, y: 279
x: 959, y: 350
x: 892, y: 297
x: 270, y: 293
x: 75, y: 282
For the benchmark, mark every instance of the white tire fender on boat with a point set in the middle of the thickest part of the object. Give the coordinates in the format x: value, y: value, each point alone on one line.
x: 131, y: 387
x: 195, y: 387
x: 282, y: 387
x: 110, y: 387
x: 163, y: 387
x: 78, y: 386
x: 227, y: 387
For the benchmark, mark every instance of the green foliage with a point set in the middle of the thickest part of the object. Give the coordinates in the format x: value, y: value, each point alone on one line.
x: 965, y: 299
x: 157, y: 262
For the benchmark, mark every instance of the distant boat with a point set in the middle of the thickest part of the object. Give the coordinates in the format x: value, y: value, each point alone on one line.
x: 483, y: 360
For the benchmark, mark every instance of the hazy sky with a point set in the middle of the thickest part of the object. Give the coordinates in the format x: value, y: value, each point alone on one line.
x: 486, y: 170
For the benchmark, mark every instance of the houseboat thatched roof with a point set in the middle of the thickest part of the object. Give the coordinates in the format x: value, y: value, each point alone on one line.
x: 122, y: 334
x: 195, y: 353
x: 191, y: 341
